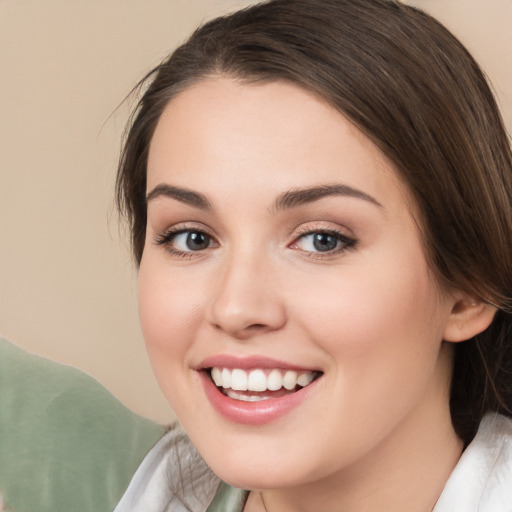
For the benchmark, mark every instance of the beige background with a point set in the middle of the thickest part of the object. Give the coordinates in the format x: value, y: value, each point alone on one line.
x: 67, y: 284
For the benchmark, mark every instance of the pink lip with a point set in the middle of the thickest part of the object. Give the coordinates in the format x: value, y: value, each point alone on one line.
x: 253, y: 413
x: 248, y: 363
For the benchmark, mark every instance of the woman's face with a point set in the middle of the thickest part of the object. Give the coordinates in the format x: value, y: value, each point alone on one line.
x: 282, y: 255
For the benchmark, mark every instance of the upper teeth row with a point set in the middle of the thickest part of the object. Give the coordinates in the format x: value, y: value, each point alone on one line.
x: 259, y: 380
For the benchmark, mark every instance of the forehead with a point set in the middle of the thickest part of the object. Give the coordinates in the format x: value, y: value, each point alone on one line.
x: 223, y: 131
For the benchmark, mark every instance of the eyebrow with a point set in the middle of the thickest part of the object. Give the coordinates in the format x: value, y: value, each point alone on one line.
x: 297, y: 197
x: 285, y: 201
x: 183, y: 195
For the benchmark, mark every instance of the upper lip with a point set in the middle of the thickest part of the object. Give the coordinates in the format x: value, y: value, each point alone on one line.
x: 249, y: 363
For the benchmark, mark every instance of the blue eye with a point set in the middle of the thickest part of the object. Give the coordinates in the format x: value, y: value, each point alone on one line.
x: 191, y: 241
x: 186, y: 241
x: 323, y: 242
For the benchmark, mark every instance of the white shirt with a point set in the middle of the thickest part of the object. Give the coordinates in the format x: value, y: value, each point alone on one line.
x: 482, y: 479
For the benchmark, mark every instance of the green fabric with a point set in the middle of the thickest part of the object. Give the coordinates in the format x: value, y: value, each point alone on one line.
x: 66, y: 444
x: 228, y: 499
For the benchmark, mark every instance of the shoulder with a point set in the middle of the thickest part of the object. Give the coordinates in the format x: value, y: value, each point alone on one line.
x: 483, y: 477
x: 63, y: 436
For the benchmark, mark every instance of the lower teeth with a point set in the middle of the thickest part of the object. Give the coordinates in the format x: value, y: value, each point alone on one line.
x: 245, y: 398
x: 255, y: 396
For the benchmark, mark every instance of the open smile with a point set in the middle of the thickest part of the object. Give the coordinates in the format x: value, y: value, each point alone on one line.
x: 259, y: 383
x: 255, y: 391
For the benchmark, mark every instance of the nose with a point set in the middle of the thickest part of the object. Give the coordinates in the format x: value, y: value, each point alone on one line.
x: 247, y: 301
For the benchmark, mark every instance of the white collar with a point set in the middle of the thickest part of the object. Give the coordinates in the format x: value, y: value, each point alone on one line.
x: 482, y: 479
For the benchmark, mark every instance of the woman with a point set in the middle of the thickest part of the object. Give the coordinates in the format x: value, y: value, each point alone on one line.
x: 320, y: 200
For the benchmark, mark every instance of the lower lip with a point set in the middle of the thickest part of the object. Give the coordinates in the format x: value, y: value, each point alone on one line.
x: 253, y: 413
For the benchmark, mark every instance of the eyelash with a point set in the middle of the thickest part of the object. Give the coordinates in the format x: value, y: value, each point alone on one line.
x: 346, y: 242
x: 168, y: 237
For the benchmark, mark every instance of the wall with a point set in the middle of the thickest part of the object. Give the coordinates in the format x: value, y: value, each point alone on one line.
x: 67, y: 284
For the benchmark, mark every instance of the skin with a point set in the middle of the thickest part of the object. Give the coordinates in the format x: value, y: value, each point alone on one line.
x: 375, y: 433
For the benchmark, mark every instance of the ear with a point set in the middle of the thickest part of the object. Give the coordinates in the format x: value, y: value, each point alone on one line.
x: 469, y: 317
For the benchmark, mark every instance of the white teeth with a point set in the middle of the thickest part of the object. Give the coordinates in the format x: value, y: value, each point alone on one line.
x: 245, y: 398
x: 259, y: 380
x: 290, y: 380
x: 274, y: 380
x: 238, y: 380
x: 217, y: 376
x: 226, y: 378
x: 305, y: 378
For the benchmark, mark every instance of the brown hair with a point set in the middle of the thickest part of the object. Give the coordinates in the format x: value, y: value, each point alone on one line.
x: 412, y: 88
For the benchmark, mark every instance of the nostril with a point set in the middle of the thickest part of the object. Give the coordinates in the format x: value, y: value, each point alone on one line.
x: 257, y: 327
x: 244, y: 332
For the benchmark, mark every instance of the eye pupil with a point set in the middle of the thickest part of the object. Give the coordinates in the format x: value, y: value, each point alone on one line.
x: 323, y: 242
x: 197, y: 241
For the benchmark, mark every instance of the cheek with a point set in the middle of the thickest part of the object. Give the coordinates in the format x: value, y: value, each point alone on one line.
x: 169, y: 312
x: 382, y: 320
x: 379, y: 332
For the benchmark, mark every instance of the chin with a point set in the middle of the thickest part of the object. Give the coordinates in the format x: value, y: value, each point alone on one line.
x: 257, y: 478
x: 244, y: 470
